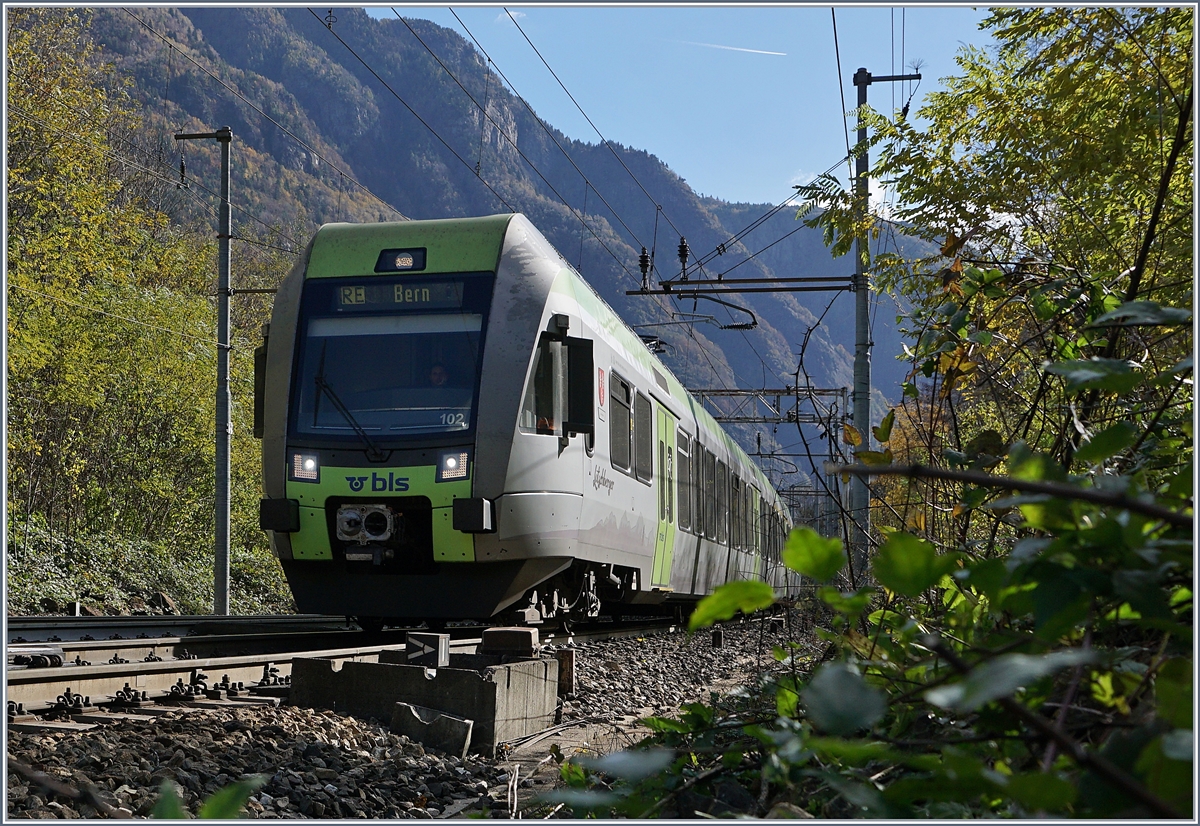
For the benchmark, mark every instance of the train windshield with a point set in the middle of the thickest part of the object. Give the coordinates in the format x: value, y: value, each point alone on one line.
x: 382, y: 359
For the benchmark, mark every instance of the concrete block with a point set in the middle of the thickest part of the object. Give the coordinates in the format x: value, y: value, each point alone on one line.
x: 438, y: 729
x: 566, y: 671
x: 514, y: 642
x: 505, y: 700
x: 428, y: 649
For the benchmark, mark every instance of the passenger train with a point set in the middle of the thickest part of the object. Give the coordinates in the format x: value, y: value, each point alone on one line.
x: 455, y: 425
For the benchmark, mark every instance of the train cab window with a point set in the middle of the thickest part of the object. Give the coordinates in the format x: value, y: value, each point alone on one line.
x: 385, y: 359
x: 643, y: 437
x: 722, y: 503
x: 683, y: 472
x: 620, y: 426
x: 543, y: 393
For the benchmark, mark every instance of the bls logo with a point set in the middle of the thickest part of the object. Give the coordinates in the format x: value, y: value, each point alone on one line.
x: 379, y: 483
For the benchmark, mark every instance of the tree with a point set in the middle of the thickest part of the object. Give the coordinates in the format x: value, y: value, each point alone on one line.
x: 111, y: 342
x: 1027, y: 646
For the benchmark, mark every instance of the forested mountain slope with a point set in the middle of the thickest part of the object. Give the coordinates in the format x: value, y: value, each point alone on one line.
x: 287, y: 63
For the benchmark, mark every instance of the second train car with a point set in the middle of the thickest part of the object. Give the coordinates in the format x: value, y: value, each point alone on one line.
x: 456, y: 426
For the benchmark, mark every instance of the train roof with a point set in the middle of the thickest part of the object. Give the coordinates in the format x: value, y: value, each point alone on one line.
x: 451, y: 244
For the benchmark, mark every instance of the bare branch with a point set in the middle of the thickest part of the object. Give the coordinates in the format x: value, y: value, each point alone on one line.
x: 978, y: 477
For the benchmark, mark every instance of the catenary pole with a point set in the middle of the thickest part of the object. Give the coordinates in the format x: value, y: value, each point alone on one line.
x: 224, y: 428
x: 860, y: 516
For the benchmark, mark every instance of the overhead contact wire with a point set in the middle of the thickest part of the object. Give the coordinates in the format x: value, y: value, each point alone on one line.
x: 412, y: 111
x: 160, y: 176
x: 513, y: 143
x: 283, y: 128
x: 605, y: 140
x: 546, y: 129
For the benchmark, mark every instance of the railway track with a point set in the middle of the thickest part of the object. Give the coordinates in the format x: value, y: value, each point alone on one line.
x: 139, y: 674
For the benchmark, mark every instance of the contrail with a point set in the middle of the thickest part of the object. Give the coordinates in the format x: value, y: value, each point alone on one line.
x: 731, y: 48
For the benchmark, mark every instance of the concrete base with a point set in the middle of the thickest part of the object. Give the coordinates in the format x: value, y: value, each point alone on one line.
x: 505, y: 700
x: 434, y: 728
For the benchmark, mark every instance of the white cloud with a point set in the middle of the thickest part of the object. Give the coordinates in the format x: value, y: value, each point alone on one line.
x: 801, y: 178
x: 503, y: 17
x: 731, y: 48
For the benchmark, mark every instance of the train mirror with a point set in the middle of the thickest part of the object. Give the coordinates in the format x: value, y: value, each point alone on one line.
x: 260, y: 382
x: 581, y: 373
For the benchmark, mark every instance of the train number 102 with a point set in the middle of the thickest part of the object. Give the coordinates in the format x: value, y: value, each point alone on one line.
x: 454, y: 418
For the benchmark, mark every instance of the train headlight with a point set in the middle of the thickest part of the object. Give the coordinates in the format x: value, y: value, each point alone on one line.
x: 306, y: 467
x: 453, y: 465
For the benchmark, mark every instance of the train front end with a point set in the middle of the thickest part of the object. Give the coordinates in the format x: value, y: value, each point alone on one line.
x: 370, y: 399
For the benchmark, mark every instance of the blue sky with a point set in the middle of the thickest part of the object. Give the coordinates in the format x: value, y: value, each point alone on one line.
x: 741, y: 101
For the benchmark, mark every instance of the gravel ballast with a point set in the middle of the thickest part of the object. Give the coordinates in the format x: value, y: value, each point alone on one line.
x: 321, y: 764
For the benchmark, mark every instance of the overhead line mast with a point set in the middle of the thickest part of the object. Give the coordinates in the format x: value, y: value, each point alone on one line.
x: 860, y: 496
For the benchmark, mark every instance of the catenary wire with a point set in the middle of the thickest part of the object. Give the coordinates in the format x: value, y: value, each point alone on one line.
x: 412, y: 111
x: 841, y: 91
x: 134, y: 321
x: 157, y: 174
x: 513, y: 143
x: 547, y: 130
x: 603, y: 139
x: 283, y: 128
x: 737, y: 237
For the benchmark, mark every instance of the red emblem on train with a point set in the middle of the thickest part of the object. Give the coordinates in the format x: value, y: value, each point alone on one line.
x: 600, y: 384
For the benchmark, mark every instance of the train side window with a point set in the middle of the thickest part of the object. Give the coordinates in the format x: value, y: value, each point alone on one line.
x: 749, y: 506
x: 643, y: 437
x: 722, y: 503
x: 735, y: 533
x: 670, y: 471
x: 710, y: 495
x: 543, y: 393
x: 662, y: 489
x: 683, y: 473
x: 620, y: 426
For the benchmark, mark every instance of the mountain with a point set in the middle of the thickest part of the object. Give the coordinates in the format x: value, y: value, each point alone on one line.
x: 397, y: 106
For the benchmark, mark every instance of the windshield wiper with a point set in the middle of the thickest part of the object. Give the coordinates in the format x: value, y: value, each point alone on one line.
x: 374, y: 453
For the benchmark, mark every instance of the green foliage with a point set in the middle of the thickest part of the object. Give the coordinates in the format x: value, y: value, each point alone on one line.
x: 224, y: 804
x: 728, y: 599
x: 908, y: 565
x: 1002, y: 676
x: 839, y: 701
x: 812, y: 555
x: 1019, y: 654
x: 112, y: 352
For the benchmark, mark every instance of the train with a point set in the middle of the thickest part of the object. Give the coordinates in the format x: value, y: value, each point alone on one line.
x: 456, y: 426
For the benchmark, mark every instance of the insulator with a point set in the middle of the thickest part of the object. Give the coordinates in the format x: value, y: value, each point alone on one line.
x: 644, y: 266
x: 683, y: 256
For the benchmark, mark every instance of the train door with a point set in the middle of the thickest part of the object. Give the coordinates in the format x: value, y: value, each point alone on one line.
x: 664, y: 542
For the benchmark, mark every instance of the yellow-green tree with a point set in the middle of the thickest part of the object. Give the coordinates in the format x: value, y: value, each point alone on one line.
x: 111, y: 345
